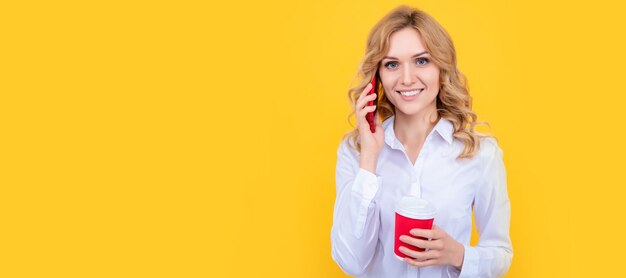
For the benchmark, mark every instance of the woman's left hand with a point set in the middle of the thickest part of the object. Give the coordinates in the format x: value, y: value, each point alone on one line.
x: 440, y: 250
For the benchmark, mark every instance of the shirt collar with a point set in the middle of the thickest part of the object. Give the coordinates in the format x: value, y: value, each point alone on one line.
x: 443, y: 127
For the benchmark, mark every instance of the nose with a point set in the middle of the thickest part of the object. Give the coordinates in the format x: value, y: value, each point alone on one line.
x: 408, y: 76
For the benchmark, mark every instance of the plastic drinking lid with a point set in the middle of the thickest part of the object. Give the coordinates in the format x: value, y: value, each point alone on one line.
x: 415, y: 207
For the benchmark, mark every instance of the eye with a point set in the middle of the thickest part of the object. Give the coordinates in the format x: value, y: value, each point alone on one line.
x: 422, y: 61
x: 391, y: 65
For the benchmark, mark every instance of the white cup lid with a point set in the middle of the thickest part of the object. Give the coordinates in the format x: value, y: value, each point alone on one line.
x: 415, y: 207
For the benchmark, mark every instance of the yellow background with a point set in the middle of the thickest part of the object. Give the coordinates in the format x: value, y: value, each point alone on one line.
x: 198, y: 139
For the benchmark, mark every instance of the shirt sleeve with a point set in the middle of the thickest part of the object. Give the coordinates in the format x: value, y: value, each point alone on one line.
x: 356, y: 220
x: 492, y: 211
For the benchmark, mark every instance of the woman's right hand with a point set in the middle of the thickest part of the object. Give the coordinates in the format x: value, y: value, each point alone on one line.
x: 371, y: 143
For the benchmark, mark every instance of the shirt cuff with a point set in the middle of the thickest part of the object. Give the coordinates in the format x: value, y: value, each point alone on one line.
x: 366, y: 184
x: 470, y: 262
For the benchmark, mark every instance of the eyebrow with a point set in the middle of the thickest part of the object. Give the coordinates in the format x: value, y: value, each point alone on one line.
x: 416, y: 55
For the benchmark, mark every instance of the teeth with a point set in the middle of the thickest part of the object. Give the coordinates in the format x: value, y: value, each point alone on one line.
x: 410, y: 93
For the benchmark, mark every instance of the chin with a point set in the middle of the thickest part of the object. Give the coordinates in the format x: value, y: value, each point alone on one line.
x: 409, y: 111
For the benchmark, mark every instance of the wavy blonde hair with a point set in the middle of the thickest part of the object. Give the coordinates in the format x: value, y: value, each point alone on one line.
x: 453, y: 101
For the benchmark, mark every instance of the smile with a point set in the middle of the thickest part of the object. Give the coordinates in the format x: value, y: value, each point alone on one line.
x: 410, y: 93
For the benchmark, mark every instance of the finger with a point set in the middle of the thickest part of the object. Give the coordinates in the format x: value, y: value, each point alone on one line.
x: 366, y: 89
x: 425, y: 233
x: 411, y: 253
x: 361, y: 115
x: 366, y: 110
x: 420, y: 255
x: 425, y: 244
x: 417, y: 263
x: 364, y: 92
x: 363, y: 101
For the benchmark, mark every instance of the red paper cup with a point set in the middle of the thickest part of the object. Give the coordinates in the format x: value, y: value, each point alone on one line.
x: 412, y: 212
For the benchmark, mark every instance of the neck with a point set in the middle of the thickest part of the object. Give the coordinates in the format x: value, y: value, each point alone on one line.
x: 411, y: 130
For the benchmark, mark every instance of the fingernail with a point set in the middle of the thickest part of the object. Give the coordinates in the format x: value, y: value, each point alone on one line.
x: 413, y: 232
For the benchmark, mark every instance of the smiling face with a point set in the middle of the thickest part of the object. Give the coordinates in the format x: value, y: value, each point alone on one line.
x: 409, y: 77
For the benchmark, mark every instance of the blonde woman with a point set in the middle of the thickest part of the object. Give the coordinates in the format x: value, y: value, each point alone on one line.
x: 424, y: 144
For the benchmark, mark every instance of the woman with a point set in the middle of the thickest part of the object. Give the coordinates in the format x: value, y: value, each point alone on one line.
x: 424, y: 144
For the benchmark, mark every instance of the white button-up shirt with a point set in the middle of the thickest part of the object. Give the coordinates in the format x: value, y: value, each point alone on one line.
x: 362, y: 234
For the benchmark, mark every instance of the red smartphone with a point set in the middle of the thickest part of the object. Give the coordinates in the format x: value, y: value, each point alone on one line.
x: 370, y: 115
